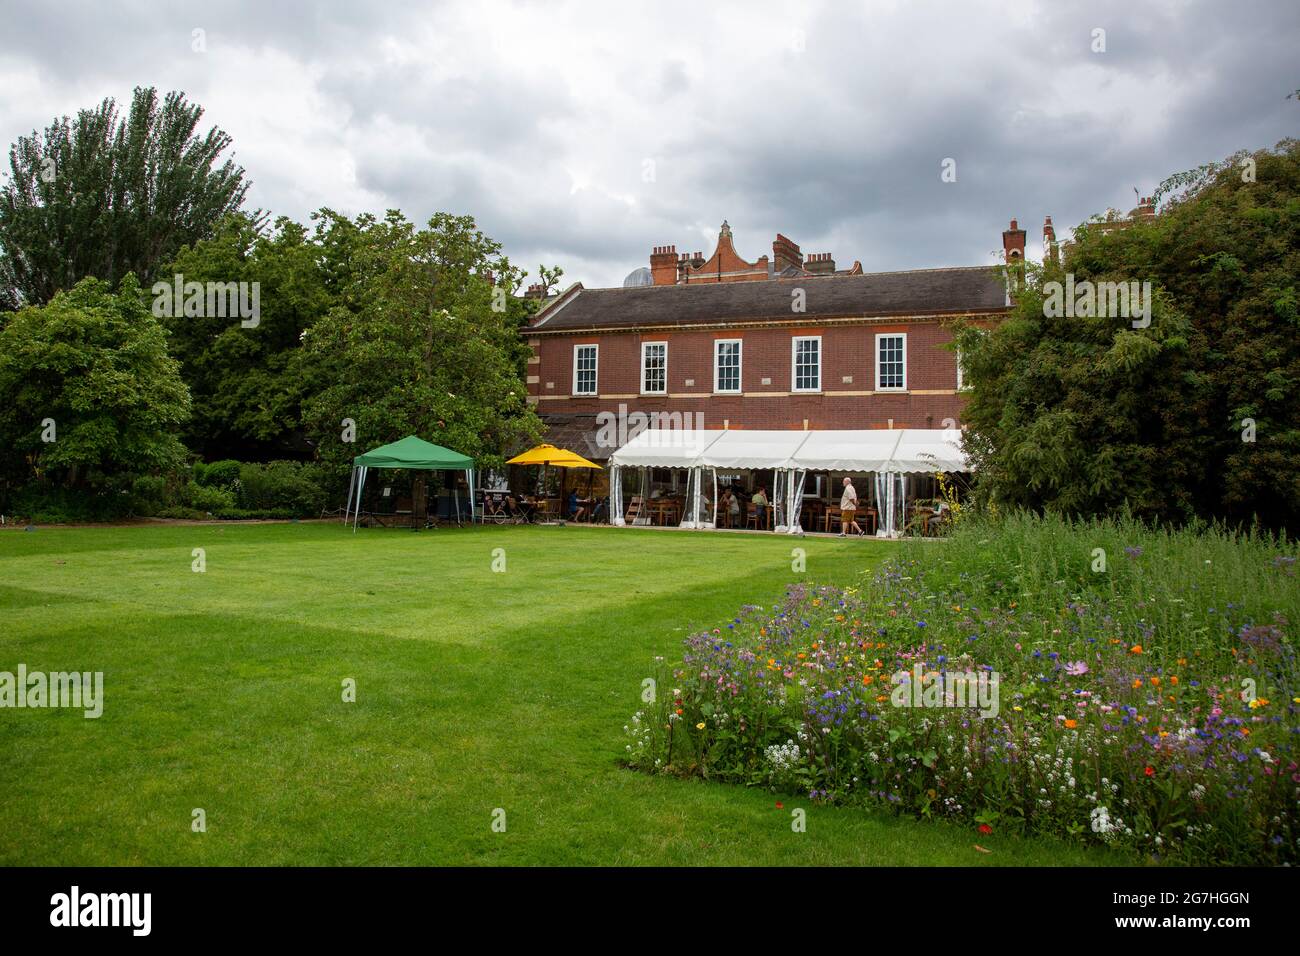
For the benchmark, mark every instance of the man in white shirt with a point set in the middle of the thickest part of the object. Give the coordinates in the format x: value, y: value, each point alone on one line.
x: 849, y: 509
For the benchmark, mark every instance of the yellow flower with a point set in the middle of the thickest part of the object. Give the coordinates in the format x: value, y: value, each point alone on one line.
x: 700, y: 725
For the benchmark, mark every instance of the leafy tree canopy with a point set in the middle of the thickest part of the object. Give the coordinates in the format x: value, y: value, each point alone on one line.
x: 424, y: 340
x: 104, y: 195
x: 244, y: 405
x: 91, y: 395
x: 1196, y: 415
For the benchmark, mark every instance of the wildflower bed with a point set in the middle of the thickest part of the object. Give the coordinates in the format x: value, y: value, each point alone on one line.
x: 1144, y: 689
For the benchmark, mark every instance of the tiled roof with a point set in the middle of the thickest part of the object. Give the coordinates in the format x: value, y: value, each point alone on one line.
x: 972, y: 289
x: 576, y: 433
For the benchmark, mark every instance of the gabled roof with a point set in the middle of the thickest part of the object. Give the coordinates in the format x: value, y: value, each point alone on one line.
x: 973, y: 289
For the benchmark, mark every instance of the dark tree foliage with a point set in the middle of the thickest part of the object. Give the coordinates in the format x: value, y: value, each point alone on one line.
x: 246, y: 405
x: 103, y: 195
x: 91, y: 398
x: 1195, y: 416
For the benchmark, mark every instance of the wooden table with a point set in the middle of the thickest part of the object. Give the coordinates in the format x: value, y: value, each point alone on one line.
x: 662, y: 508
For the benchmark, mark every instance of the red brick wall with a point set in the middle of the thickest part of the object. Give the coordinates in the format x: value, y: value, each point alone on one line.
x: 846, y: 351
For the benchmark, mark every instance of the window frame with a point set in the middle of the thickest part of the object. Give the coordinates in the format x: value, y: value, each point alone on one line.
x: 740, y: 367
x: 661, y: 391
x: 595, y: 370
x: 879, y: 364
x: 794, y: 364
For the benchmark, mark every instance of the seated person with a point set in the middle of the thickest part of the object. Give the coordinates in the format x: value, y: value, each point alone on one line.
x: 600, y: 511
x: 760, y: 505
x: 733, y: 509
x: 576, y: 510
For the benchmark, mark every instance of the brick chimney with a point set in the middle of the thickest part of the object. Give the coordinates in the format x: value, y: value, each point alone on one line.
x: 1146, y: 208
x: 1050, y: 252
x: 535, y: 291
x: 785, y: 254
x: 663, y: 265
x: 1013, y: 244
x: 819, y: 263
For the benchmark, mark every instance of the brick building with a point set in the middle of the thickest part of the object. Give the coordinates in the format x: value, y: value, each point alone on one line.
x: 781, y: 342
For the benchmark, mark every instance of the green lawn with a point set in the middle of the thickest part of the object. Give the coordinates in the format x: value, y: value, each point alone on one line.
x: 475, y: 690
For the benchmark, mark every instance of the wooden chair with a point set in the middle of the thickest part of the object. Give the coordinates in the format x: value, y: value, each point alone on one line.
x: 832, y: 514
x: 751, y: 516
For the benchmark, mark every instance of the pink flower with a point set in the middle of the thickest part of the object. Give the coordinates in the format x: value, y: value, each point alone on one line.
x: 1076, y: 668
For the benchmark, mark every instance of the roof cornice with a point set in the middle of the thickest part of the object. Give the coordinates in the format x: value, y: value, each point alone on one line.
x: 783, y: 322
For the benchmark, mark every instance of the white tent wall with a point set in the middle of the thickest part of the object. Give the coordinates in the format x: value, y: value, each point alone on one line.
x: 688, y: 519
x: 616, y: 496
x: 797, y: 478
x: 779, y: 523
x: 891, y: 504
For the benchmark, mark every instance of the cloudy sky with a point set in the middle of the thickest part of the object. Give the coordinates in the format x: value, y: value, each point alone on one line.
x: 582, y: 134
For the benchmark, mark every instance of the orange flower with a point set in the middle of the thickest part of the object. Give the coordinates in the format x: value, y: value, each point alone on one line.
x: 1135, y: 649
x: 1137, y: 681
x: 1155, y: 682
x: 1071, y: 724
x: 1174, y: 679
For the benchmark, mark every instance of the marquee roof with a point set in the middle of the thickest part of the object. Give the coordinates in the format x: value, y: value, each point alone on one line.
x: 907, y: 450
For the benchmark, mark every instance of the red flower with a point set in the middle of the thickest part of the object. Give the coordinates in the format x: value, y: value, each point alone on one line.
x: 780, y: 805
x: 985, y: 828
x: 1150, y: 771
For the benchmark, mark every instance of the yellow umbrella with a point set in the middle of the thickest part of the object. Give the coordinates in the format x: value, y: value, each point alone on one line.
x: 550, y: 455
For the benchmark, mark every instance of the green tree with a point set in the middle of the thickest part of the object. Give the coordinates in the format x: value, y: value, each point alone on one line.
x: 1197, y: 415
x: 105, y: 195
x: 245, y: 405
x: 89, y: 396
x: 425, y: 340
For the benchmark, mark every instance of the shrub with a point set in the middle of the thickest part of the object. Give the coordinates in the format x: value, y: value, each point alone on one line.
x: 220, y: 474
x: 281, y: 486
x: 1143, y: 689
x: 43, y: 504
x: 204, y: 499
x: 149, y: 495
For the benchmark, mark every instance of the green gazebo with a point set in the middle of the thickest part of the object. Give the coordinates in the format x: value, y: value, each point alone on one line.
x: 410, y: 452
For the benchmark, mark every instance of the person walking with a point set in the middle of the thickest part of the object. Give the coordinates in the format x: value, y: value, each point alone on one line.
x: 849, y: 510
